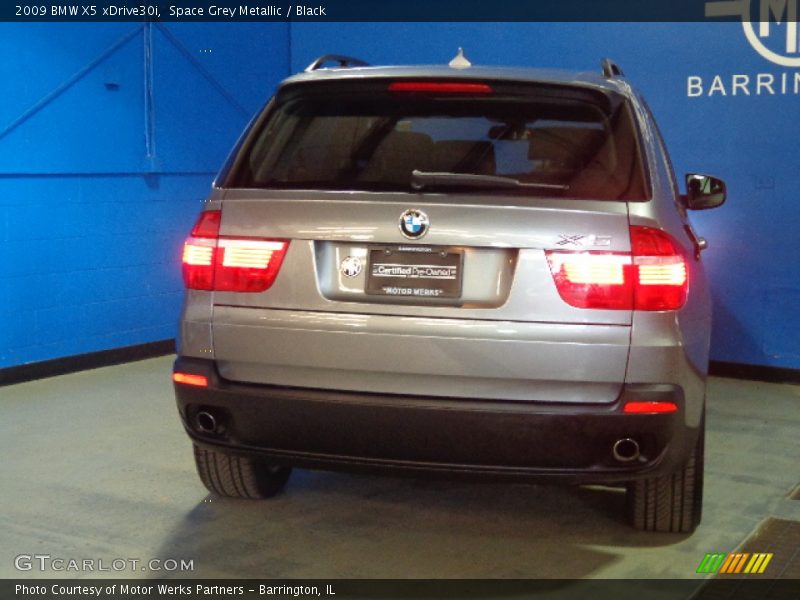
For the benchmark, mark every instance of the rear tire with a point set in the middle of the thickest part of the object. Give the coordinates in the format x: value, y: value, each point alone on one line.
x: 671, y: 503
x: 238, y: 476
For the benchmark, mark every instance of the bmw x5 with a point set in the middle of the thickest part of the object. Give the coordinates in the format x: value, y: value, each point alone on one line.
x: 456, y: 270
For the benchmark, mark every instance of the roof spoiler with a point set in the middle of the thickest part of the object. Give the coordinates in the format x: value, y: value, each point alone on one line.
x: 344, y: 61
x: 611, y: 69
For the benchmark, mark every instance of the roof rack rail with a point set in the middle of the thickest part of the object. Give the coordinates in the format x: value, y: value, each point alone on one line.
x: 344, y: 61
x: 611, y: 69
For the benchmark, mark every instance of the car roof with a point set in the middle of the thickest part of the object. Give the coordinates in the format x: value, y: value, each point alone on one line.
x: 585, y: 79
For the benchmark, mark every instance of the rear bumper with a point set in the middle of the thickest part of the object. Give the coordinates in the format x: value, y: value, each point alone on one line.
x: 456, y: 436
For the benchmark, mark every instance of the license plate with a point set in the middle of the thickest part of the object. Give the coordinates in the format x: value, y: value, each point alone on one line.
x: 416, y: 272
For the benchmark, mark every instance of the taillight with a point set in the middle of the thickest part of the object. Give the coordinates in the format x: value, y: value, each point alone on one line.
x: 199, y: 251
x: 247, y: 265
x: 653, y: 276
x: 592, y: 280
x: 662, y: 280
x: 207, y: 225
x: 228, y: 264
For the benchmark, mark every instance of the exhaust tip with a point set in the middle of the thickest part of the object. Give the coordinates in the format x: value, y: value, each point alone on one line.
x: 626, y: 450
x: 206, y: 422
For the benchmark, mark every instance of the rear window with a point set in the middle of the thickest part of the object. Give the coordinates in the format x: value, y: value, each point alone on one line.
x: 370, y: 139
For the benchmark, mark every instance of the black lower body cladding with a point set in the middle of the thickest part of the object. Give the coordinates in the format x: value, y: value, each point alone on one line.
x: 331, y: 429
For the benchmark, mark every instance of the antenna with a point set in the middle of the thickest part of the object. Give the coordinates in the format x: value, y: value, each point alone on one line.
x: 460, y: 61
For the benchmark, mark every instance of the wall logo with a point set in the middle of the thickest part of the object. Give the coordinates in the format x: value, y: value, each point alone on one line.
x: 771, y: 16
x: 770, y: 26
x: 737, y: 563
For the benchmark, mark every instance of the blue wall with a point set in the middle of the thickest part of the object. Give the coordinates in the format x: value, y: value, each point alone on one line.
x: 91, y: 227
x: 95, y: 198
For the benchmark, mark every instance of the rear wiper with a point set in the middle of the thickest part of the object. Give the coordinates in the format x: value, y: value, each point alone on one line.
x: 423, y: 179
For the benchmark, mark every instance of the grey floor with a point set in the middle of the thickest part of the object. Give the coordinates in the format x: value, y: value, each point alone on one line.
x: 96, y: 465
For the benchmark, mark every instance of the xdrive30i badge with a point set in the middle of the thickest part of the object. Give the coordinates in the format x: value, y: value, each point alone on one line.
x: 414, y: 224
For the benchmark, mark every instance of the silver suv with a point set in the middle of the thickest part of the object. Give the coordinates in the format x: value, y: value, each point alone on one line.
x: 459, y: 270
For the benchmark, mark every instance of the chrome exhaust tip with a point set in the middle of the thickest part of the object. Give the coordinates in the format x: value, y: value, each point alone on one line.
x: 206, y: 422
x: 626, y: 450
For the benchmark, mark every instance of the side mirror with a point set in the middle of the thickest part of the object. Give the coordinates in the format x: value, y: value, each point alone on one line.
x: 704, y: 191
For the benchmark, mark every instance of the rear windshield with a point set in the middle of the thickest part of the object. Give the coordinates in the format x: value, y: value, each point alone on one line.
x: 373, y: 140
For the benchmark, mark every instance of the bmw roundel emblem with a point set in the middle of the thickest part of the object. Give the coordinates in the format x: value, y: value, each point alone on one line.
x: 414, y: 224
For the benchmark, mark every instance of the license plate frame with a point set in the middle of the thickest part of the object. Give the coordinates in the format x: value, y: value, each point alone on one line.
x: 416, y: 272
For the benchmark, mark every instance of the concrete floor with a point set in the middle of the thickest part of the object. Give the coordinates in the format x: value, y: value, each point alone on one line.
x: 96, y: 465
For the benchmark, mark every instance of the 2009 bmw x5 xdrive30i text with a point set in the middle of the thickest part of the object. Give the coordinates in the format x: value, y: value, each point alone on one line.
x: 456, y: 270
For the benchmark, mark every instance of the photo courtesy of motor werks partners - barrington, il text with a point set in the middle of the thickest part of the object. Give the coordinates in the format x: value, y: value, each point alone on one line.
x: 170, y: 590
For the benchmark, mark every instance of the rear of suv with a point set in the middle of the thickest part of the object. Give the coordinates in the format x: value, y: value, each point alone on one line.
x: 453, y: 270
